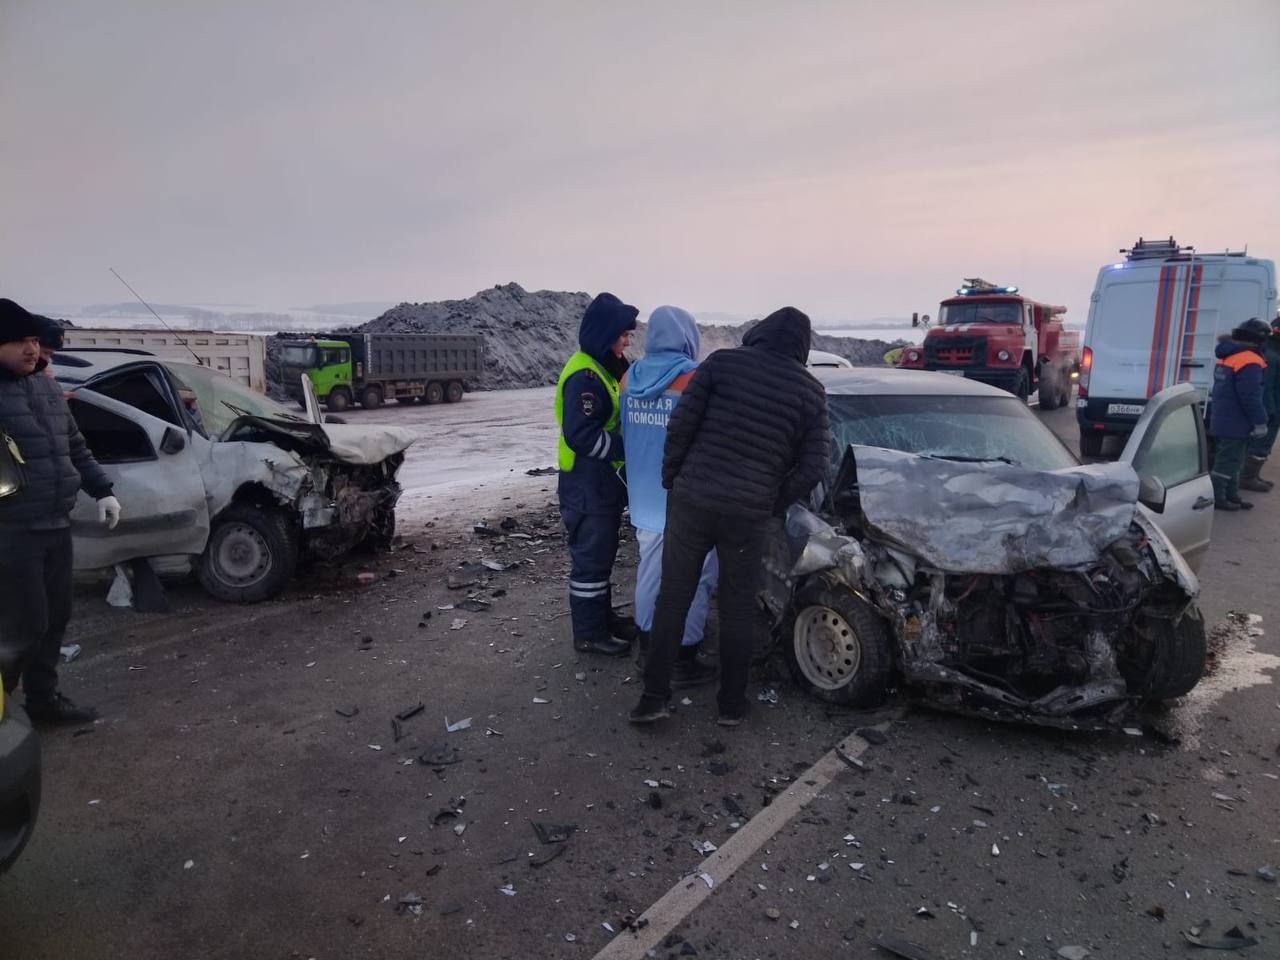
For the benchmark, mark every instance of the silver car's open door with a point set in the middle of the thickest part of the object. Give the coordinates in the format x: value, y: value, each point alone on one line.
x: 155, y: 474
x: 1169, y: 450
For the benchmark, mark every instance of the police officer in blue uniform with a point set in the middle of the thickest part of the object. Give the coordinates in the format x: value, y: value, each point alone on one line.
x: 592, y: 491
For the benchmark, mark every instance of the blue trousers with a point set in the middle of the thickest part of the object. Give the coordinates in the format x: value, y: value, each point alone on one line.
x: 649, y: 577
x: 593, y: 545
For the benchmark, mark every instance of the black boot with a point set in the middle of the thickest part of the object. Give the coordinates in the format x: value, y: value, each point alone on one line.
x: 59, y: 711
x: 624, y: 628
x: 1250, y: 478
x: 650, y: 710
x: 692, y: 670
x: 604, y: 646
x: 1239, y: 504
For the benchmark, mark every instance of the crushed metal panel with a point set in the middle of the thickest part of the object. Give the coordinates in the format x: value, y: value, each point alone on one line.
x: 992, y: 517
x: 367, y: 445
x: 232, y: 464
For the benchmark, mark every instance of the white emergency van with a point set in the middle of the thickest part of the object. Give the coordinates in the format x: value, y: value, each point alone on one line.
x: 1154, y: 320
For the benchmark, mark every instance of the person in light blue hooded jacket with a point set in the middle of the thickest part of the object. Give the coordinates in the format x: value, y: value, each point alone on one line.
x: 650, y: 391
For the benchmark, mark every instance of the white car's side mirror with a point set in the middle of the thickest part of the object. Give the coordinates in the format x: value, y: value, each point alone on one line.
x: 1152, y: 493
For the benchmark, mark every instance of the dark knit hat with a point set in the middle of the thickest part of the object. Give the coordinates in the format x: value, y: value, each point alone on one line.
x: 51, y: 336
x: 17, y: 323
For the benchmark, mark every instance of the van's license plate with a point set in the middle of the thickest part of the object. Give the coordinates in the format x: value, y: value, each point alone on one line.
x: 1132, y: 409
x: 954, y: 373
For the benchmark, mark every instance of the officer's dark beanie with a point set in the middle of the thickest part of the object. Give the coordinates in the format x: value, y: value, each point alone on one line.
x: 16, y: 323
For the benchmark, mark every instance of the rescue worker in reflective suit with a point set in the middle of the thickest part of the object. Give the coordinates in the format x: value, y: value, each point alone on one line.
x: 1237, y: 410
x: 592, y: 491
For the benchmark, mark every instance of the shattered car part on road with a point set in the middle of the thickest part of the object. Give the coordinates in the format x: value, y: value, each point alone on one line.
x: 1012, y: 593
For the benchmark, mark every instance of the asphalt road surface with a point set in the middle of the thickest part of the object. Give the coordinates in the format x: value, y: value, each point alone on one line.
x: 248, y: 795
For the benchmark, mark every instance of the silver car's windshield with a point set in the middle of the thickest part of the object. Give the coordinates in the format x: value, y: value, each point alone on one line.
x: 996, y: 429
x: 220, y: 400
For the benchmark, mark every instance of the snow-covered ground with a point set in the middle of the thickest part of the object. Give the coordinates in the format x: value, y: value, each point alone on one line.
x: 471, y: 454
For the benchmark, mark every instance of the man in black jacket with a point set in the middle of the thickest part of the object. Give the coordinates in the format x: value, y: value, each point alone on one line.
x: 35, y: 529
x: 749, y: 437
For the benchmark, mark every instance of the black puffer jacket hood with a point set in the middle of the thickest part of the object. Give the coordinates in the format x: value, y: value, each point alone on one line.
x: 786, y: 331
x: 605, y: 320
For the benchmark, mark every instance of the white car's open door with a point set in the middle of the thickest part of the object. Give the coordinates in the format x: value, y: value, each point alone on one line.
x: 1169, y: 450
x: 155, y: 474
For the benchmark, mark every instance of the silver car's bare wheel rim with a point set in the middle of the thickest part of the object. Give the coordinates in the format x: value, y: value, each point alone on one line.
x: 242, y: 557
x: 827, y: 649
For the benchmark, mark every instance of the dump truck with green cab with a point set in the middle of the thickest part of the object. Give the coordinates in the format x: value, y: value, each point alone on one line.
x: 372, y: 368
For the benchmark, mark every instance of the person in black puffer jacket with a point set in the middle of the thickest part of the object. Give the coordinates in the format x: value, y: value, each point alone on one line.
x: 749, y: 437
x: 35, y: 526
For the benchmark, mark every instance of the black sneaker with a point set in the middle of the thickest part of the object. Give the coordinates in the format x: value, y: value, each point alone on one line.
x: 1228, y: 505
x: 59, y: 711
x: 693, y: 673
x: 650, y: 710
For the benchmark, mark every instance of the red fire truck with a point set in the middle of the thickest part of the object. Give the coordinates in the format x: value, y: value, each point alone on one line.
x: 995, y: 335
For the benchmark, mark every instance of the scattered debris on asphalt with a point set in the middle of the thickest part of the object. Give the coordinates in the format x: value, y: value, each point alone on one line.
x: 541, y: 472
x: 458, y: 623
x: 457, y: 725
x: 553, y: 832
x: 904, y: 948
x: 873, y: 736
x: 69, y: 652
x: 347, y: 712
x: 411, y: 712
x: 410, y: 903
x: 1267, y: 872
x: 768, y: 695
x: 1073, y: 952
x: 1233, y: 939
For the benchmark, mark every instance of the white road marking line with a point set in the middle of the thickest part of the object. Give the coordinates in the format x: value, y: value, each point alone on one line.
x: 670, y: 910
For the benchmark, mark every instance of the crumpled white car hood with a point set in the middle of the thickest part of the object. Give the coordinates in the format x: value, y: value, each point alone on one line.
x: 367, y: 445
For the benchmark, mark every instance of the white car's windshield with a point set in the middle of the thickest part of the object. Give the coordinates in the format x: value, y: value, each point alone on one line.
x: 978, y: 429
x: 220, y: 400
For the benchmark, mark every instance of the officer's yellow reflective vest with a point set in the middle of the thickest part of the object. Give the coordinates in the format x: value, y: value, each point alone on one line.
x: 582, y: 361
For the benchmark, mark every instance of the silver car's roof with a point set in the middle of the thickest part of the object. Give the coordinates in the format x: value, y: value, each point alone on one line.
x: 77, y: 366
x: 895, y: 381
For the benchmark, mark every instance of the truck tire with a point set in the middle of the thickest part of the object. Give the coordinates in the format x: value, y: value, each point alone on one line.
x: 339, y: 399
x: 837, y: 646
x: 1022, y: 386
x: 371, y: 399
x: 1050, y: 391
x: 251, y: 555
x: 1091, y: 443
x: 435, y: 392
x: 1170, y: 656
x: 453, y: 392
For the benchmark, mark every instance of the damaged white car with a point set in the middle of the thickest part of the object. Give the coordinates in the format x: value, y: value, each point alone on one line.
x: 216, y: 477
x: 962, y: 550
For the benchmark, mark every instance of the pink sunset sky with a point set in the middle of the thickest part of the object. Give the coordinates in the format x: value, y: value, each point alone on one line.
x: 855, y: 159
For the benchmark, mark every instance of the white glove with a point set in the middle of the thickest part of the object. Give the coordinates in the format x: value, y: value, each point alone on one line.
x: 109, y: 512
x: 1259, y: 431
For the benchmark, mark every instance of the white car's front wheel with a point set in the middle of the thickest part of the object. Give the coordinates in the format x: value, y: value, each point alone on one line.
x: 251, y: 555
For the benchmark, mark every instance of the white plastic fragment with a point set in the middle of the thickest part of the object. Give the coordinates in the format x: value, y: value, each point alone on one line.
x: 507, y: 890
x: 456, y: 725
x: 707, y: 879
x: 541, y: 700
x: 69, y: 652
x: 995, y: 850
x: 188, y: 865
x: 458, y: 623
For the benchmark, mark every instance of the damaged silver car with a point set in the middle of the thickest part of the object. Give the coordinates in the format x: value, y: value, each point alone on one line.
x: 962, y: 551
x: 217, y: 478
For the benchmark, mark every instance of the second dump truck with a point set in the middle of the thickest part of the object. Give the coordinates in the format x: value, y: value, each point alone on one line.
x: 375, y: 367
